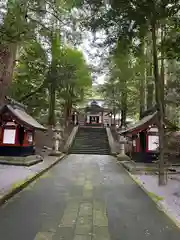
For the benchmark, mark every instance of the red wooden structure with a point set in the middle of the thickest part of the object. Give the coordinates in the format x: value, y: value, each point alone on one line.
x: 17, y: 131
x: 143, y: 139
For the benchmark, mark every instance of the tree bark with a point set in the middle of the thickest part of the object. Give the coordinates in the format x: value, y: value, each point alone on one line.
x: 142, y: 97
x: 55, y: 41
x: 149, y: 74
x: 124, y: 105
x: 67, y: 111
x: 123, y: 118
x: 150, y: 95
x: 114, y: 106
x: 142, y: 79
x: 162, y: 66
x: 159, y: 100
x: 7, y: 62
x: 52, y: 104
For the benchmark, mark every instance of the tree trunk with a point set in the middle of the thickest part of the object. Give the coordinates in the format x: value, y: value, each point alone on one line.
x: 52, y: 104
x: 67, y: 112
x: 142, y: 97
x: 55, y: 45
x: 149, y: 74
x: 142, y: 79
x: 150, y: 95
x: 159, y: 102
x: 123, y: 118
x: 7, y: 62
x: 114, y: 106
x: 162, y: 66
x: 114, y: 116
x: 124, y: 105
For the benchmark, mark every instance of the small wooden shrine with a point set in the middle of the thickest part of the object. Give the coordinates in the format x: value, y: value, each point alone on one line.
x: 143, y: 139
x: 17, y: 130
x: 97, y: 115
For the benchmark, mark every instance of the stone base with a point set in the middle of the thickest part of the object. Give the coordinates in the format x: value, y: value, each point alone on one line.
x: 55, y: 153
x: 123, y: 157
x: 21, y: 161
x: 17, y: 151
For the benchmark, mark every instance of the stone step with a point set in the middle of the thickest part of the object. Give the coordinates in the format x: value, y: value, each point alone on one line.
x: 88, y: 143
x: 95, y: 153
x: 96, y: 145
x: 89, y: 152
x: 89, y: 149
x: 91, y: 140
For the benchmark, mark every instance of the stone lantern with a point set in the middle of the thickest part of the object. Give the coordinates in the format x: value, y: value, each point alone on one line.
x: 75, y: 118
x: 57, y: 138
x: 110, y: 119
x: 122, y: 141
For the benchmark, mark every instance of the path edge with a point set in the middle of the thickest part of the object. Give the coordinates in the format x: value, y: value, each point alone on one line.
x: 27, y: 181
x: 158, y: 204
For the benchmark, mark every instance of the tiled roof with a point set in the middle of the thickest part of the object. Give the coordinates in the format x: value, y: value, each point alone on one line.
x: 23, y: 117
x: 142, y: 124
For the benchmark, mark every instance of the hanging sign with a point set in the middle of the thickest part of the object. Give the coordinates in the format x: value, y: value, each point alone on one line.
x: 9, y: 136
x: 153, y: 142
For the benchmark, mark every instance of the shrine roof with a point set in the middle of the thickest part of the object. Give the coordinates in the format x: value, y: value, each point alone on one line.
x: 141, y: 124
x: 22, y: 116
x: 94, y: 109
x: 145, y: 122
x: 13, y: 102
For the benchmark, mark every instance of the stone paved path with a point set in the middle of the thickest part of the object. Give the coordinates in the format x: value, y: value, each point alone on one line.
x: 84, y: 197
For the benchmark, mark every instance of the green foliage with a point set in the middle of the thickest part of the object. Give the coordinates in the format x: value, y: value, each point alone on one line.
x: 30, y: 73
x: 18, y: 21
x: 120, y: 89
x: 170, y: 44
x: 74, y: 74
x: 60, y: 72
x: 46, y: 70
x: 128, y: 22
x: 33, y: 72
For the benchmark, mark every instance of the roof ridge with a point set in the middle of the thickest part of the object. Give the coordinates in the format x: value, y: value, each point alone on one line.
x: 12, y: 101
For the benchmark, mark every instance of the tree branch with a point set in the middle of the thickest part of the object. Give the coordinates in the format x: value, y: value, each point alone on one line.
x: 34, y: 92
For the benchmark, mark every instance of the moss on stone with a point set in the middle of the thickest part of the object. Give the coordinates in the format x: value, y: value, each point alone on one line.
x: 155, y: 197
x: 21, y: 161
x: 123, y: 157
x: 17, y: 184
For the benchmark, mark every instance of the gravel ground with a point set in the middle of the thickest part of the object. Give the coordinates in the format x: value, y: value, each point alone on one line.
x: 169, y: 193
x: 12, y: 175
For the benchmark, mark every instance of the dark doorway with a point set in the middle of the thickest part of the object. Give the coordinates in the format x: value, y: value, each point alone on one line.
x: 94, y: 119
x: 142, y: 137
x: 21, y: 135
x: 73, y: 118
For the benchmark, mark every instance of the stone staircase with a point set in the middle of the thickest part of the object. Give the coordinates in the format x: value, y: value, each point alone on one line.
x: 90, y: 140
x: 81, y: 122
x: 93, y: 124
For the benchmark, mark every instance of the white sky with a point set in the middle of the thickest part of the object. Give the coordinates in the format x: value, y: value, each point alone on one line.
x: 100, y: 79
